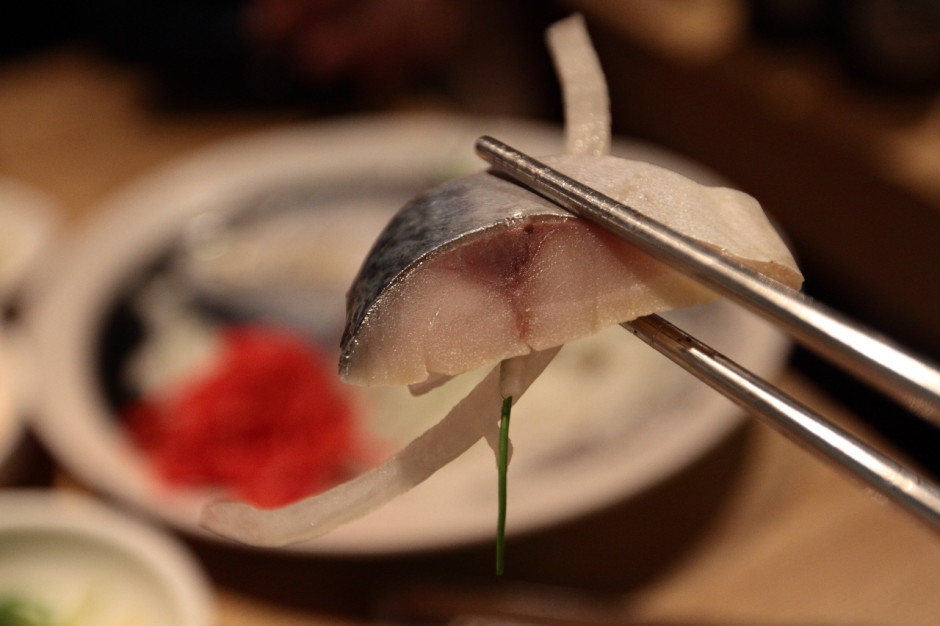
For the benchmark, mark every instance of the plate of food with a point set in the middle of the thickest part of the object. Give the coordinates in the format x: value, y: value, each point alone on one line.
x: 217, y: 309
x: 242, y: 254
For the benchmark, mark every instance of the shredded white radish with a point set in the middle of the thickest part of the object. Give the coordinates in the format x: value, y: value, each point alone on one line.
x: 312, y: 517
x: 434, y: 381
x: 583, y: 86
x: 513, y: 374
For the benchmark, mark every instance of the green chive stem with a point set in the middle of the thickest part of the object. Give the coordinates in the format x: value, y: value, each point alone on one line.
x: 503, y: 463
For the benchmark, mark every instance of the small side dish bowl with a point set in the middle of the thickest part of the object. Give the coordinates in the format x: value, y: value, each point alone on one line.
x: 64, y: 558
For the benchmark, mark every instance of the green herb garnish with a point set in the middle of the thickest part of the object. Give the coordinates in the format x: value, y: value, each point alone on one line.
x: 503, y: 463
x: 19, y: 612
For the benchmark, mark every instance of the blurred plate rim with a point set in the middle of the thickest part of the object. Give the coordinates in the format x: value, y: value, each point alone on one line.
x: 31, y: 216
x: 149, y: 212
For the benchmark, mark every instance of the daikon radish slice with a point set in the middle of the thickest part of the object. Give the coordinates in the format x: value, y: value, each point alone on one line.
x: 472, y: 418
x: 586, y: 103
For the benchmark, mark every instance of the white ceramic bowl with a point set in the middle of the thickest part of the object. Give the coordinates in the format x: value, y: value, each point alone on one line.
x: 80, y: 562
x: 587, y: 441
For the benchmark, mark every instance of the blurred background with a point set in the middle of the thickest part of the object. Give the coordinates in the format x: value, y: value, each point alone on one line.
x: 827, y: 111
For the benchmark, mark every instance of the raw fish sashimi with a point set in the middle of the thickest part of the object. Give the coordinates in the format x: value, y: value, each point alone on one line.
x: 481, y: 269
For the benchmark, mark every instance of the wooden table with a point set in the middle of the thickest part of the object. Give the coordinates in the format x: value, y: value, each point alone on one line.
x: 757, y: 532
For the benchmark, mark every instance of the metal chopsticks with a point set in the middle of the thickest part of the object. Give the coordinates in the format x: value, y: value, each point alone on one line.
x: 792, y: 418
x: 875, y: 359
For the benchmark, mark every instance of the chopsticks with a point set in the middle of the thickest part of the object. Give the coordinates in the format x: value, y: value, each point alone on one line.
x: 792, y: 418
x: 882, y: 364
x: 873, y: 358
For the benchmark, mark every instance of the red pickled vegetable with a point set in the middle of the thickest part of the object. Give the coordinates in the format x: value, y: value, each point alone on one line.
x: 270, y: 422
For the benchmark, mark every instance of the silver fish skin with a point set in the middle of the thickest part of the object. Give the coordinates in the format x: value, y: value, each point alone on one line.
x: 430, y: 224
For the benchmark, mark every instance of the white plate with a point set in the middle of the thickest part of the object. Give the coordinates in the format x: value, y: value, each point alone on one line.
x: 84, y: 563
x: 583, y: 438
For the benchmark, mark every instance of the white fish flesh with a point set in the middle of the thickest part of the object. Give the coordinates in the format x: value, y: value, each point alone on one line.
x: 481, y: 269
